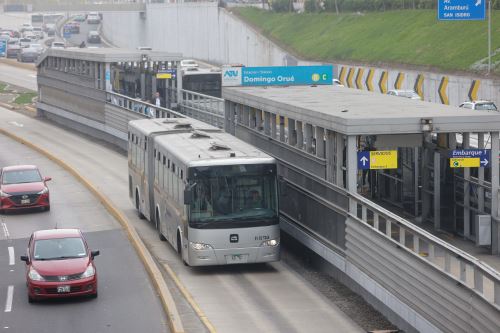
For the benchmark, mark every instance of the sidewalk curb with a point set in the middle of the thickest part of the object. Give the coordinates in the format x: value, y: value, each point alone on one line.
x: 146, y: 257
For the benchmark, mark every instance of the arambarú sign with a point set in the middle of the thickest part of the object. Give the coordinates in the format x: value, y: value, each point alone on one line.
x: 277, y: 76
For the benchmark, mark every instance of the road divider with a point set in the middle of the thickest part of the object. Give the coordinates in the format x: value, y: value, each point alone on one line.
x: 166, y: 298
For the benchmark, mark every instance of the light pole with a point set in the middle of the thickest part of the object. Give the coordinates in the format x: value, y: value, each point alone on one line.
x: 489, y: 36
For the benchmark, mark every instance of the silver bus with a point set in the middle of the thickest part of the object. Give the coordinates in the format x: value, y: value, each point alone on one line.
x: 213, y: 197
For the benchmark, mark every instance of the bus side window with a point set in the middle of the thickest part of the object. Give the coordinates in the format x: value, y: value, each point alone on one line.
x: 163, y: 174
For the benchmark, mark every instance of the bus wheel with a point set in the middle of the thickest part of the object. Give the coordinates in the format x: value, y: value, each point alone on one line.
x: 157, y: 222
x: 137, y: 206
x: 179, y: 248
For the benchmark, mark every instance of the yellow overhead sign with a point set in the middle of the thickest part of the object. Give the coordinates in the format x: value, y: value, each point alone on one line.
x: 163, y: 76
x: 465, y: 162
x: 384, y: 159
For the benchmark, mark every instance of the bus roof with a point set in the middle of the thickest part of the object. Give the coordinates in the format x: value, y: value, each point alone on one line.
x: 218, y: 148
x: 158, y: 125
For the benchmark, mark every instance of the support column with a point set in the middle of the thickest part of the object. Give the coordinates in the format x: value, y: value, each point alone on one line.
x: 258, y: 120
x: 352, y: 169
x: 330, y: 157
x: 282, y: 129
x: 300, y: 135
x: 466, y: 145
x: 267, y: 123
x: 426, y: 177
x: 320, y: 142
x: 480, y: 176
x: 143, y: 85
x: 252, y: 118
x: 339, y: 159
x: 309, y: 136
x: 437, y: 191
x: 495, y: 228
x: 273, y: 125
x: 292, y: 133
x: 416, y: 168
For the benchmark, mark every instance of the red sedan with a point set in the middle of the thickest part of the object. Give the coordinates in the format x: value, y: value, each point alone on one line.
x: 21, y: 187
x: 59, y: 264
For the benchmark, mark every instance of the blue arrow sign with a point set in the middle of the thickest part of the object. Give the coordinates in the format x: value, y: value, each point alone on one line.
x: 363, y: 160
x: 461, y: 10
x: 484, y: 155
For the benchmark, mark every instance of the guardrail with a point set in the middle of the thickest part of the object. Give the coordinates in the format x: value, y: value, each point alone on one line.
x: 203, y: 107
x: 141, y: 107
x: 451, y: 261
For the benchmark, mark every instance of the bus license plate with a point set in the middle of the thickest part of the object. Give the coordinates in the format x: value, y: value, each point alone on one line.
x: 63, y: 289
x: 237, y: 258
x: 25, y: 201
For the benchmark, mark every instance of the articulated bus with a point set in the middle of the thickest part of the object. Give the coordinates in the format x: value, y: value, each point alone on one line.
x: 213, y: 197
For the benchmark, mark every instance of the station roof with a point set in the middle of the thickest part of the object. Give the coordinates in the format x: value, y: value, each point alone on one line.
x: 109, y: 55
x: 360, y: 112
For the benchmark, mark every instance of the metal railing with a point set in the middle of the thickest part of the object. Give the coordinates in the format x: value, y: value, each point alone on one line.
x: 141, y: 107
x: 451, y: 261
x: 203, y: 107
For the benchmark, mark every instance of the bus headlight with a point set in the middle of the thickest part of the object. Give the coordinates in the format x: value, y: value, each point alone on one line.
x: 271, y: 242
x: 200, y: 246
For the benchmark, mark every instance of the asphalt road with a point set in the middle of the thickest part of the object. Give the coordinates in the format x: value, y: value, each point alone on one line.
x: 20, y: 77
x: 127, y: 301
x: 85, y: 28
x: 246, y: 298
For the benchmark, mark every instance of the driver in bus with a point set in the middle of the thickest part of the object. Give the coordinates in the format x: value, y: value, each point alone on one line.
x: 203, y: 205
x: 255, y: 200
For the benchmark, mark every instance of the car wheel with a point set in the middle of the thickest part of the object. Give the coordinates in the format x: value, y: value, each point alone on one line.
x: 31, y: 300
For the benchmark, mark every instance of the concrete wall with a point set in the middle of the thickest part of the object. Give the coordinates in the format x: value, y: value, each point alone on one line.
x: 206, y: 32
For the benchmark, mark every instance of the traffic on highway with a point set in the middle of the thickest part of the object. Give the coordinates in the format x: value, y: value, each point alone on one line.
x: 171, y: 168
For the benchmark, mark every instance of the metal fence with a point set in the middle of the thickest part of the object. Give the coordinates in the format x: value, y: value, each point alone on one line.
x: 203, y: 107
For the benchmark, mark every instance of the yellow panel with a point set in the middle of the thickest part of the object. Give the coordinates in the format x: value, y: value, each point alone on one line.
x: 465, y: 163
x: 163, y: 76
x: 384, y: 159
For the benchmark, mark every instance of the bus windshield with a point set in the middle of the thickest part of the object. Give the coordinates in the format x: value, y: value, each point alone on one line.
x: 233, y: 196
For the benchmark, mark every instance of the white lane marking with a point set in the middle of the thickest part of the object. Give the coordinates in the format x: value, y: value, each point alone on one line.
x: 12, y: 261
x: 32, y: 75
x: 8, y: 303
x: 15, y: 123
x: 5, y: 230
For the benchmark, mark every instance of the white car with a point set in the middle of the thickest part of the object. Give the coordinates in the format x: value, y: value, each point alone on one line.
x: 337, y: 83
x: 189, y: 63
x: 411, y: 94
x: 479, y: 105
x: 58, y: 45
x: 25, y: 27
x: 38, y: 47
x: 38, y: 32
x: 24, y: 42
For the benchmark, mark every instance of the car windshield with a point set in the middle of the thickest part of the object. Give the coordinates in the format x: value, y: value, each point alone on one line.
x: 21, y: 176
x: 59, y: 248
x: 486, y: 106
x: 235, y: 195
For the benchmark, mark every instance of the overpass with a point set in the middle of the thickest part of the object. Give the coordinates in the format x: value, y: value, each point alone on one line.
x: 419, y: 281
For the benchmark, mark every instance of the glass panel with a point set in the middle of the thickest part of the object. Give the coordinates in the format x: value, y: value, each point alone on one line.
x: 233, y: 196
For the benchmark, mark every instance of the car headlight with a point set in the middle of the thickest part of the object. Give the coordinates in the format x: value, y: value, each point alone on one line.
x: 89, y: 272
x: 200, y: 246
x: 4, y: 195
x: 34, y: 276
x: 44, y: 191
x: 271, y: 242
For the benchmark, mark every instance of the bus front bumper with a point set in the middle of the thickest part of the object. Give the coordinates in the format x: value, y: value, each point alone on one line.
x: 246, y: 255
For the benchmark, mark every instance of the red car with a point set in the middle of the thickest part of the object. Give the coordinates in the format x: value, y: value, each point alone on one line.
x: 59, y: 264
x: 21, y: 187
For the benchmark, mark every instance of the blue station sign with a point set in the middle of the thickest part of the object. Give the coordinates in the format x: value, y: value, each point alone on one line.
x: 470, y: 158
x: 278, y: 76
x: 460, y: 10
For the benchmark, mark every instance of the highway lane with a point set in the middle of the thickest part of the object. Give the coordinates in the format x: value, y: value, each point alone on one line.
x: 85, y: 28
x: 247, y: 298
x: 21, y: 77
x: 127, y: 301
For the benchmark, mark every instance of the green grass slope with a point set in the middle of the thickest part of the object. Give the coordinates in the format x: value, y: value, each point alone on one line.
x: 413, y: 37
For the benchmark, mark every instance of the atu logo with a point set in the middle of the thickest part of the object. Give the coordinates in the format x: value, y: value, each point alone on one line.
x: 231, y: 73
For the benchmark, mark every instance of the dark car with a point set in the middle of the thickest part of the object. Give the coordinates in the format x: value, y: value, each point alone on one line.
x: 22, y: 187
x: 94, y: 37
x: 28, y: 55
x: 13, y: 50
x: 59, y: 264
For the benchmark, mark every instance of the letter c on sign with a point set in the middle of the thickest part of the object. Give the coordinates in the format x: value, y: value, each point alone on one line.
x: 324, y: 77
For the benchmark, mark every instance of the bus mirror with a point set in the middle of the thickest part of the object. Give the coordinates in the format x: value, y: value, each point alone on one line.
x: 188, y: 196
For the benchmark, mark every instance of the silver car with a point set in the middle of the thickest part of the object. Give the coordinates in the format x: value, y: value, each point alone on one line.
x: 479, y: 105
x: 411, y: 94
